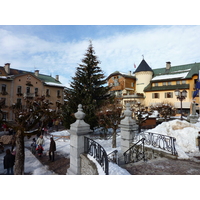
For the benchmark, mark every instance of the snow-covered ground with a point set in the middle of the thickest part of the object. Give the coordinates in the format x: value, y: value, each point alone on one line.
x: 33, y: 166
x: 184, y: 132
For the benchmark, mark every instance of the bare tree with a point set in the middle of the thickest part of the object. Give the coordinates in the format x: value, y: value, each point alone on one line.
x: 29, y: 119
x: 141, y: 114
x: 165, y: 109
x: 109, y: 116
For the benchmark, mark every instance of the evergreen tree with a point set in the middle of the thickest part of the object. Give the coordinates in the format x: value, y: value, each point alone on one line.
x: 87, y: 88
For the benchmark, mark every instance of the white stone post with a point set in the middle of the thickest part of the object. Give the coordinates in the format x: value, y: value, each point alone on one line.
x: 78, y: 130
x: 128, y: 127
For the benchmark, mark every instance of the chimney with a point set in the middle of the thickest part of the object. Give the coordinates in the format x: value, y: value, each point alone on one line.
x: 36, y: 72
x: 168, y: 65
x: 129, y: 72
x: 57, y: 77
x: 7, y: 68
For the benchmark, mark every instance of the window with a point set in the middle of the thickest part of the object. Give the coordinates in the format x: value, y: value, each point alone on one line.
x: 169, y: 83
x: 36, y: 91
x: 47, y: 92
x: 183, y: 81
x: 3, y: 88
x: 19, y: 89
x: 178, y: 82
x: 155, y: 84
x: 116, y: 82
x: 28, y: 90
x: 168, y: 94
x: 164, y: 83
x: 3, y: 101
x: 19, y: 103
x: 58, y: 93
x: 155, y: 95
x: 132, y: 84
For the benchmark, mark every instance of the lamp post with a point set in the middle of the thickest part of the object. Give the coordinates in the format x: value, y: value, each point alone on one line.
x: 181, y: 95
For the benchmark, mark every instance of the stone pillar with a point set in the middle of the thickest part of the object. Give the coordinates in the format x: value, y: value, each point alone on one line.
x: 78, y: 130
x: 128, y: 127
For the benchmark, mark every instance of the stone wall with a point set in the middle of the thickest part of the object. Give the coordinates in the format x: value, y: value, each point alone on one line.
x: 151, y: 153
x: 87, y: 166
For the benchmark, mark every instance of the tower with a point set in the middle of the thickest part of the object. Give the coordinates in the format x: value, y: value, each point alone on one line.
x: 143, y: 76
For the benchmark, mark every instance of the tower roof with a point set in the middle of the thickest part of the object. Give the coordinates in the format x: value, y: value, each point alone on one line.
x: 143, y: 66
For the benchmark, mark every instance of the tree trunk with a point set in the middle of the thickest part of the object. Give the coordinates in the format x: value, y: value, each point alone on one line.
x: 20, y: 155
x: 114, y: 138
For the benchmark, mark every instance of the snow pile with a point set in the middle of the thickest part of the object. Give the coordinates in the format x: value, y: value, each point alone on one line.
x: 114, y: 169
x: 185, y: 133
x: 60, y: 133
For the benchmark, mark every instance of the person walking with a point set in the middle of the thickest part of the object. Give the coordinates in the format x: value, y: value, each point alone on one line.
x: 40, y: 141
x: 9, y: 161
x: 40, y: 150
x: 52, y: 149
x: 33, y: 146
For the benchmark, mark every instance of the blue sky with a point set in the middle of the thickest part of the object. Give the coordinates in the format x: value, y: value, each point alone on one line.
x: 57, y: 50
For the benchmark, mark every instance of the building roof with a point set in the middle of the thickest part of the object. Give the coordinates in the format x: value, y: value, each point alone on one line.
x: 173, y: 73
x: 143, y: 66
x: 176, y: 72
x: 46, y: 79
x: 121, y: 74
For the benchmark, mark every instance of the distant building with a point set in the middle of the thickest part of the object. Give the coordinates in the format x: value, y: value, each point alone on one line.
x: 17, y: 85
x: 151, y: 86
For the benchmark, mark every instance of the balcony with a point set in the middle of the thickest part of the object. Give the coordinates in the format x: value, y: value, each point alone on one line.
x: 4, y: 93
x: 29, y: 95
x: 133, y: 95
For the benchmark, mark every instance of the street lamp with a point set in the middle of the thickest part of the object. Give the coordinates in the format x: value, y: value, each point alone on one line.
x: 181, y: 95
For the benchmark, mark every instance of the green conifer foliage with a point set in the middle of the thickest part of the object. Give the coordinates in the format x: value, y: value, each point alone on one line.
x: 87, y: 88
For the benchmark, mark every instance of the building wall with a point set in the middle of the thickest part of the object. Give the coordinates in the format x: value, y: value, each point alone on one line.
x: 142, y: 80
x: 150, y: 98
x: 28, y: 84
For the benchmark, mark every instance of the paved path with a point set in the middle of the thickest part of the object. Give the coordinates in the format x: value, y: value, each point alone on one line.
x: 165, y: 166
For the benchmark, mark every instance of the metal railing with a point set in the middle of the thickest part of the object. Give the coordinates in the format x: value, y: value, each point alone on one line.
x: 98, y: 152
x: 113, y: 156
x: 135, y: 153
x: 164, y: 142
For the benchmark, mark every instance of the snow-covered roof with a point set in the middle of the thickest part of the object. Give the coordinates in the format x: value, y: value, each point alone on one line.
x: 3, y: 77
x: 170, y: 76
x: 54, y: 84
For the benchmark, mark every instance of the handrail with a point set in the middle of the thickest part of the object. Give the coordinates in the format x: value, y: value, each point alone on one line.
x: 135, y: 153
x: 164, y: 142
x: 98, y: 152
x: 113, y: 156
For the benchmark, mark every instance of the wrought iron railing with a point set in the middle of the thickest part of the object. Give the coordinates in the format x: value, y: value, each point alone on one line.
x: 135, y: 153
x: 164, y: 142
x: 113, y: 156
x: 98, y: 152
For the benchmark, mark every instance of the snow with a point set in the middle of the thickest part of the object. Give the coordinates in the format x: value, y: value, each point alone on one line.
x: 54, y: 84
x: 170, y: 76
x: 184, y: 132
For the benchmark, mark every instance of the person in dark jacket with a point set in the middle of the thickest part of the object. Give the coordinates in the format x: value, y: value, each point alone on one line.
x: 52, y: 148
x: 9, y: 161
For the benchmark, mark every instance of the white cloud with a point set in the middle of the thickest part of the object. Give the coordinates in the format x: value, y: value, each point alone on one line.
x: 158, y: 44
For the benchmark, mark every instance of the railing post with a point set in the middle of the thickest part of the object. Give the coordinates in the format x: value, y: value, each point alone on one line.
x: 128, y: 127
x: 77, y: 132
